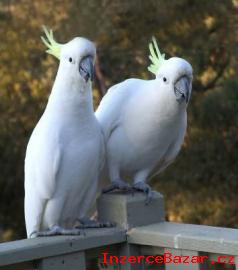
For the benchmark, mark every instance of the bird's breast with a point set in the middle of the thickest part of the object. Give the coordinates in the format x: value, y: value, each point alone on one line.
x: 153, y: 120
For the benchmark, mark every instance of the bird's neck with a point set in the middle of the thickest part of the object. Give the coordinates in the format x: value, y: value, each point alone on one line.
x: 70, y: 97
x: 163, y: 103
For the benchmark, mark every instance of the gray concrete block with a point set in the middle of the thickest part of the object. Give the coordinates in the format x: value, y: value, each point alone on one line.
x: 129, y: 210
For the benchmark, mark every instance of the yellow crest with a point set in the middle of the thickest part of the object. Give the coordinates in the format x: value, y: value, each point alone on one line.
x: 54, y: 47
x: 155, y: 57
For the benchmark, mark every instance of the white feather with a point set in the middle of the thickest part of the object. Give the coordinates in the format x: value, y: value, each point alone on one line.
x: 66, y: 149
x: 143, y: 123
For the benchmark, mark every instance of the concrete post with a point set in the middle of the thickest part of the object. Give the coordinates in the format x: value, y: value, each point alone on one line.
x: 129, y: 211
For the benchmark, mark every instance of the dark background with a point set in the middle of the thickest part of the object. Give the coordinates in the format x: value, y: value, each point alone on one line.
x: 201, y: 186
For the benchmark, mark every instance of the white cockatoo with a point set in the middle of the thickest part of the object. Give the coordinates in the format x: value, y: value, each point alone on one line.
x: 144, y: 122
x: 66, y: 149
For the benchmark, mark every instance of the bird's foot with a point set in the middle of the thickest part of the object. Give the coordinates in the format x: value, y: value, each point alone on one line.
x: 56, y: 230
x: 118, y: 185
x: 86, y: 223
x: 145, y: 188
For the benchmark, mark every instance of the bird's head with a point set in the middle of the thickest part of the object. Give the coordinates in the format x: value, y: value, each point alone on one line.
x: 174, y: 73
x: 177, y: 74
x: 77, y: 57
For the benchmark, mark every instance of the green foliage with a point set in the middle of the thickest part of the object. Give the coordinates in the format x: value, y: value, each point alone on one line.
x: 201, y: 186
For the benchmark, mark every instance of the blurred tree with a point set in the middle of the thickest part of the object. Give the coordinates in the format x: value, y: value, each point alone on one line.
x: 201, y: 186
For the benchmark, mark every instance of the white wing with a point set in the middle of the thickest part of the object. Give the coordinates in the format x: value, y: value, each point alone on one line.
x: 172, y: 151
x: 42, y: 164
x: 111, y: 106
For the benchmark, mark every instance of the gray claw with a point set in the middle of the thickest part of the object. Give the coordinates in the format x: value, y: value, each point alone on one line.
x: 117, y: 185
x: 85, y: 223
x: 145, y: 188
x: 57, y: 230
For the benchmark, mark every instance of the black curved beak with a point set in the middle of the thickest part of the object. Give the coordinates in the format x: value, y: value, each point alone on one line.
x: 86, y: 68
x: 181, y: 89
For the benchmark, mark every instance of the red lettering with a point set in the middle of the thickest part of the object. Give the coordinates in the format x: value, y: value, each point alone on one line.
x: 177, y: 259
x: 159, y: 259
x: 139, y: 258
x: 220, y: 259
x: 231, y: 259
x: 150, y: 261
x: 195, y: 259
x: 132, y: 259
x: 202, y: 258
x: 104, y: 253
x: 185, y: 259
x: 122, y: 259
x: 115, y: 258
x: 167, y: 257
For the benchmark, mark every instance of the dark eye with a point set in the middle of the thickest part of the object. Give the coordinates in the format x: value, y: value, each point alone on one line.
x: 164, y: 79
x: 70, y: 59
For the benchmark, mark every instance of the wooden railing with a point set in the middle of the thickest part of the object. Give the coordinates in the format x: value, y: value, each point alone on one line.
x: 141, y: 235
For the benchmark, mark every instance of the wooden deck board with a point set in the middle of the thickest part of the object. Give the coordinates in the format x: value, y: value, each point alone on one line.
x: 32, y: 249
x: 186, y: 236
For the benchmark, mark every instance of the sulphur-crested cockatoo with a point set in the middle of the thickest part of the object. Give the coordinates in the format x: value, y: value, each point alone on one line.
x: 144, y: 122
x: 66, y: 149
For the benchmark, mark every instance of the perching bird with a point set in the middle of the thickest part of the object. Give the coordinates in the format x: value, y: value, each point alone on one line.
x: 66, y: 149
x: 144, y: 122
